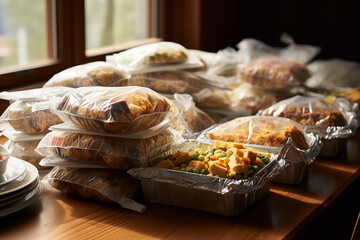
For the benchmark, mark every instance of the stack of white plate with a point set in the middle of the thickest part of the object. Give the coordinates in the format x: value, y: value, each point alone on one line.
x: 20, y: 186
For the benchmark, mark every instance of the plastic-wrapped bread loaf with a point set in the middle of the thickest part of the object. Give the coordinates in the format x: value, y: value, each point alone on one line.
x: 106, y: 185
x: 23, y: 116
x: 274, y: 73
x: 89, y: 74
x: 168, y: 81
x: 113, y: 152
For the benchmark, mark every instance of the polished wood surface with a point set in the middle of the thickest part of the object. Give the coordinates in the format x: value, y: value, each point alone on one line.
x: 284, y: 213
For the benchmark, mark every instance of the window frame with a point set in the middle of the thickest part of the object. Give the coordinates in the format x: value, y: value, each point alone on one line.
x: 69, y: 47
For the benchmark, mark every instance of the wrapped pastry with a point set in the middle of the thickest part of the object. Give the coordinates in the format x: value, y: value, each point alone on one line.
x: 105, y: 185
x: 168, y: 81
x: 273, y: 73
x: 268, y: 131
x: 25, y: 150
x: 113, y: 152
x: 307, y: 111
x: 255, y: 98
x: 190, y: 119
x: 114, y: 109
x: 89, y: 74
x: 30, y: 117
x: 160, y: 56
x: 212, y: 98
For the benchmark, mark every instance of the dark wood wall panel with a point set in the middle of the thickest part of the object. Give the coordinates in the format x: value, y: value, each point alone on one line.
x: 333, y: 25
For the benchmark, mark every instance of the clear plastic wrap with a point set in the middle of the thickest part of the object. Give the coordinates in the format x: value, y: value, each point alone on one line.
x: 353, y: 95
x: 311, y: 111
x: 154, y: 57
x: 114, y: 109
x: 119, y: 153
x: 276, y: 134
x: 104, y: 185
x: 90, y: 74
x: 168, y: 81
x: 207, y: 193
x: 25, y: 150
x: 250, y: 49
x: 268, y: 131
x: 190, y: 119
x: 213, y: 98
x: 254, y: 98
x: 30, y: 117
x: 273, y: 73
x: 220, y: 67
x: 66, y: 127
x: 36, y: 94
x: 333, y: 123
x: 333, y: 74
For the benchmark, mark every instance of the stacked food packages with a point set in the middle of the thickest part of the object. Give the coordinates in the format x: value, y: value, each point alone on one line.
x: 110, y: 130
x: 165, y: 67
x: 237, y: 121
x: 27, y: 119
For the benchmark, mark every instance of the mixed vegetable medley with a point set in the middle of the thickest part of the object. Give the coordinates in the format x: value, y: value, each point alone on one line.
x: 223, y: 159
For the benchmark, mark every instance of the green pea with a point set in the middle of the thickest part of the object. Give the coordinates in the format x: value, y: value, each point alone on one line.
x: 201, y: 157
x: 220, y: 155
x: 198, y: 150
x: 194, y: 155
x: 183, y: 165
x: 202, y: 153
x: 218, y: 151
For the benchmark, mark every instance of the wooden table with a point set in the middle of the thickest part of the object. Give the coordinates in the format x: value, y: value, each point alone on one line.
x: 289, y: 211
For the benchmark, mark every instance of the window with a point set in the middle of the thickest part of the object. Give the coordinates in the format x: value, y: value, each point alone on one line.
x: 18, y: 33
x: 39, y: 38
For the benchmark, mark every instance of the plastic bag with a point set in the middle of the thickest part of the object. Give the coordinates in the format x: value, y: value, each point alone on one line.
x: 114, y: 109
x: 273, y: 73
x: 89, y: 74
x: 30, y: 117
x: 168, y: 81
x: 25, y: 150
x: 318, y: 116
x: 334, y: 74
x: 119, y: 153
x: 250, y: 49
x: 160, y: 56
x: 190, y: 119
x: 267, y: 131
x: 66, y: 127
x: 35, y: 95
x: 104, y: 185
x: 212, y: 98
x: 254, y: 98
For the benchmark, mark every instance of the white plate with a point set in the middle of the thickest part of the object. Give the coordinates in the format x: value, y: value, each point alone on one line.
x: 21, y: 182
x: 15, y: 168
x: 13, y: 197
x: 27, y: 200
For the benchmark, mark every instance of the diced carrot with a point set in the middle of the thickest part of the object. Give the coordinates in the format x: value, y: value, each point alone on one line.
x: 198, y: 165
x: 183, y: 157
x: 167, y: 163
x: 246, y: 160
